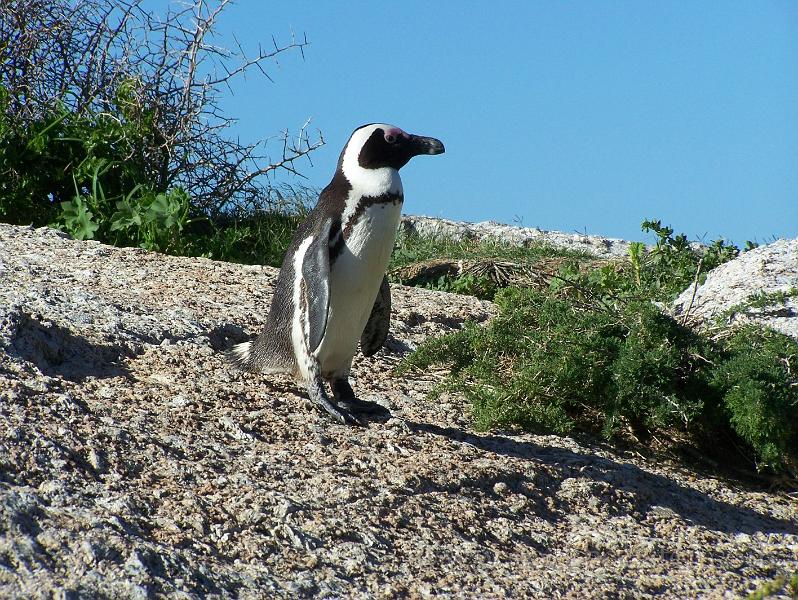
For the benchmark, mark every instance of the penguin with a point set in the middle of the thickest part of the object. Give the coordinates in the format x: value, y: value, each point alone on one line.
x: 332, y: 292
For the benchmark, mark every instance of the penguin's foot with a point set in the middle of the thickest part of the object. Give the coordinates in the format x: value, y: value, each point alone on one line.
x: 319, y: 397
x: 346, y: 399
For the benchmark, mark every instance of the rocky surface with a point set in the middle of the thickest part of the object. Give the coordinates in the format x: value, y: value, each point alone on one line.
x: 523, y: 236
x: 729, y: 288
x: 134, y: 463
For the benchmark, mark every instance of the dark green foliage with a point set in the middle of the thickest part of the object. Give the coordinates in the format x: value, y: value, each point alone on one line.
x: 467, y: 285
x: 152, y: 221
x: 594, y: 352
x: 111, y: 129
x: 80, y: 173
x: 782, y: 585
x: 659, y: 273
x: 260, y: 237
x: 657, y: 378
x: 548, y: 364
x: 60, y: 154
x: 757, y: 380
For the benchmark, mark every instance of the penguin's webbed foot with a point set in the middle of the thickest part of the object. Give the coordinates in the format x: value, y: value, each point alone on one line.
x: 340, y: 413
x: 346, y: 399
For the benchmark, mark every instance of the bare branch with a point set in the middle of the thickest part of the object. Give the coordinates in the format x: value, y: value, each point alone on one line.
x: 161, y: 75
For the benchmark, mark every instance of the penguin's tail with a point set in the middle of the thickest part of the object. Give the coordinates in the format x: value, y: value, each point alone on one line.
x: 241, y: 357
x: 256, y: 357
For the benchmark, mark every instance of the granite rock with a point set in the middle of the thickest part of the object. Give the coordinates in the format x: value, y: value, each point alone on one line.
x: 135, y: 463
x: 728, y: 289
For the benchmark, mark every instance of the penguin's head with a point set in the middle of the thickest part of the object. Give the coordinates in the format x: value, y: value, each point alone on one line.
x: 378, y: 145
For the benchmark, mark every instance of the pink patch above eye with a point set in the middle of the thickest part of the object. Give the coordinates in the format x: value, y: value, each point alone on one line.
x: 395, y: 132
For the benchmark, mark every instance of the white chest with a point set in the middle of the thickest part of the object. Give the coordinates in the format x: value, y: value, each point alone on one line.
x: 355, y: 278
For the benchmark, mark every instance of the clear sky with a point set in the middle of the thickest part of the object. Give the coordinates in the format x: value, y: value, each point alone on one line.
x: 575, y: 116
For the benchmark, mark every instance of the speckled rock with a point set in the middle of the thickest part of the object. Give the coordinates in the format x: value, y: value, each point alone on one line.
x: 522, y: 236
x: 763, y: 270
x: 134, y: 463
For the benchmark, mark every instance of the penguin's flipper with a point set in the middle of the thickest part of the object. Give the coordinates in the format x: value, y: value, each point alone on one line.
x: 376, y: 330
x: 316, y: 274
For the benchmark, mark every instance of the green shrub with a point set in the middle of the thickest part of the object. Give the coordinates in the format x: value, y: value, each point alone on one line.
x: 594, y: 352
x: 60, y: 154
x: 111, y: 129
x: 547, y: 363
x: 256, y: 237
x: 756, y: 376
x: 467, y: 285
x: 80, y: 173
x: 674, y: 264
x: 781, y: 585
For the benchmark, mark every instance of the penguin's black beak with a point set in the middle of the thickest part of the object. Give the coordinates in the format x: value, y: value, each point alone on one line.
x: 425, y: 145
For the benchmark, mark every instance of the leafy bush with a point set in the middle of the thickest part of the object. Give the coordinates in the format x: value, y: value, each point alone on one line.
x: 51, y: 159
x: 110, y: 128
x: 756, y: 376
x: 249, y: 237
x: 781, y: 586
x: 153, y: 82
x: 593, y: 351
x: 673, y: 264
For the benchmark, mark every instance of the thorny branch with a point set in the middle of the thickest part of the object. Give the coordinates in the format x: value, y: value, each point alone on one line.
x: 162, y: 74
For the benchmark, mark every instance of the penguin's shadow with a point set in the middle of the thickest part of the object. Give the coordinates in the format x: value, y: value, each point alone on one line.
x: 223, y: 337
x: 374, y: 412
x: 396, y: 346
x: 652, y: 492
x: 58, y: 352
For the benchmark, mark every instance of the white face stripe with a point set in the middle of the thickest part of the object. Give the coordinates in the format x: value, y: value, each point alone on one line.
x: 367, y: 182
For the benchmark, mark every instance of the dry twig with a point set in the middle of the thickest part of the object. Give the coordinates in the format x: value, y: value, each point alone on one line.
x: 163, y: 75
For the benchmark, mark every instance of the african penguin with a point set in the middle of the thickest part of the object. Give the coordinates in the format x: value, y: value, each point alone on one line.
x: 332, y: 291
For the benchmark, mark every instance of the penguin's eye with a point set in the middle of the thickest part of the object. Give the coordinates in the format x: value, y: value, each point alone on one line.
x: 390, y: 138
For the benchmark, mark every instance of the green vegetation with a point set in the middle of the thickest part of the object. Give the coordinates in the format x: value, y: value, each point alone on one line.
x: 257, y: 237
x: 79, y: 173
x: 110, y: 129
x: 659, y: 275
x: 781, y: 585
x: 411, y: 249
x: 484, y: 266
x: 592, y: 351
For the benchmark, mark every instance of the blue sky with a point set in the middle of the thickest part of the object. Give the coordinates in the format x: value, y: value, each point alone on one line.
x: 575, y: 116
